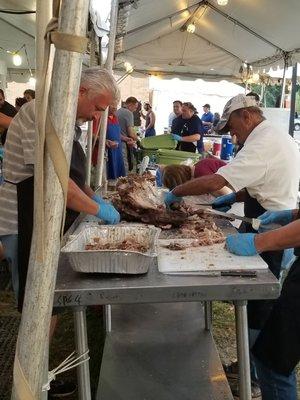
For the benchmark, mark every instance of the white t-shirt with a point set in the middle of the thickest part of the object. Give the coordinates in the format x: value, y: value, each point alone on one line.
x: 268, y: 166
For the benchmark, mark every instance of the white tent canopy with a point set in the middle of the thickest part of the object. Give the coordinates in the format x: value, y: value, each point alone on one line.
x: 262, y: 33
x: 153, y: 38
x: 17, y: 30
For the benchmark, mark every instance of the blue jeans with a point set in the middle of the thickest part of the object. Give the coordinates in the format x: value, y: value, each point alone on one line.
x: 10, y: 245
x: 276, y: 386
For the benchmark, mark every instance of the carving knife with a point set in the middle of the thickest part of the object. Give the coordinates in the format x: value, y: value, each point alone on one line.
x: 254, y: 222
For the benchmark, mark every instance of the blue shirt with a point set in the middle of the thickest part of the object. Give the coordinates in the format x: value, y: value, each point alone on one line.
x: 207, y: 117
x: 188, y: 127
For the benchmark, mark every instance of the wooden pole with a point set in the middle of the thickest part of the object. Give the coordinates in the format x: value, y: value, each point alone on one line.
x: 37, y: 309
x: 109, y: 67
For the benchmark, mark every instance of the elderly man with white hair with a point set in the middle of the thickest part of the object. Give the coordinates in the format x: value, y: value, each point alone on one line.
x: 98, y: 89
x: 264, y: 175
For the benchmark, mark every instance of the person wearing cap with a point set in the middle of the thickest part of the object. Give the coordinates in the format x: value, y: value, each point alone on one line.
x: 150, y: 120
x: 264, y: 175
x: 207, y: 118
x: 187, y: 129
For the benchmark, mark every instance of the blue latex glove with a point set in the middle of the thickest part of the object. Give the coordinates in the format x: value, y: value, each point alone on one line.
x: 278, y: 217
x: 178, y: 138
x: 224, y: 203
x: 98, y: 199
x: 108, y: 213
x: 241, y: 244
x: 170, y: 198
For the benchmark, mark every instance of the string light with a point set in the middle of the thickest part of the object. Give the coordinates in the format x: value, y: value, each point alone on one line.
x: 128, y: 67
x: 222, y: 2
x: 17, y: 59
x: 191, y: 28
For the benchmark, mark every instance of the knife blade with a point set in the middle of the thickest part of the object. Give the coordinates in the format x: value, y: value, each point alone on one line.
x: 254, y: 222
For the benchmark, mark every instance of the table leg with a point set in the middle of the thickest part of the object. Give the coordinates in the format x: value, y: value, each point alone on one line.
x: 243, y: 349
x: 108, y: 318
x: 81, y: 342
x: 208, y: 315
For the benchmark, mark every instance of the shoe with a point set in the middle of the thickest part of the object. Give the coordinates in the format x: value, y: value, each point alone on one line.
x: 60, y: 388
x: 232, y: 375
x: 234, y: 387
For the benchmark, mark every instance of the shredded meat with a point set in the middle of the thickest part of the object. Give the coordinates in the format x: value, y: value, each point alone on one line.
x: 127, y: 244
x: 175, y: 246
x: 138, y: 199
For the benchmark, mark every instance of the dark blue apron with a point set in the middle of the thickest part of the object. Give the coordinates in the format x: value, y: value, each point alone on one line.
x: 25, y: 194
x: 259, y: 310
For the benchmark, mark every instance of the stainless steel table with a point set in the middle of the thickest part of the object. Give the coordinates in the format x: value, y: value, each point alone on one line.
x: 80, y: 290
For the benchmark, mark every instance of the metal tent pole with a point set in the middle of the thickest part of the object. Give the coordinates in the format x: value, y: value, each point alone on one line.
x: 109, y: 67
x: 41, y: 277
x: 283, y: 82
x: 89, y: 150
x: 293, y: 100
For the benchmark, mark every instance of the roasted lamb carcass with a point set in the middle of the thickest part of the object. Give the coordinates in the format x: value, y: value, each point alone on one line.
x: 139, y: 200
x: 139, y: 192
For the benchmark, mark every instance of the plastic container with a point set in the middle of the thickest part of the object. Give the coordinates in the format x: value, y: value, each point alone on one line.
x: 168, y: 157
x: 227, y: 147
x: 158, y: 142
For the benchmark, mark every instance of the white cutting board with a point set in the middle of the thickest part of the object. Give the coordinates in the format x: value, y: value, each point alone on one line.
x: 205, y: 258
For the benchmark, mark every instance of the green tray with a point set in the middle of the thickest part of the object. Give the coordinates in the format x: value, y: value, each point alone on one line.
x: 158, y: 142
x: 168, y: 157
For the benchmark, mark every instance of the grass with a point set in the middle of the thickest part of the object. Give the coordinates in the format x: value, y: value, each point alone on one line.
x: 63, y: 340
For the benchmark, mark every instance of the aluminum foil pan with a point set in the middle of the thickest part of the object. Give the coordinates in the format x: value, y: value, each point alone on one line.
x: 112, y: 261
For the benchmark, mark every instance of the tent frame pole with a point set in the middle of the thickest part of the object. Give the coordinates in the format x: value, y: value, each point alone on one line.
x: 37, y: 309
x: 109, y: 66
x: 293, y: 100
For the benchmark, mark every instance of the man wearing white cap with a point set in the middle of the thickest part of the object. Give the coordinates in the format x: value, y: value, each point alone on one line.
x: 264, y: 175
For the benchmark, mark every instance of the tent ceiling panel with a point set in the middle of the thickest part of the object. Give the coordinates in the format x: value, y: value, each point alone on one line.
x: 191, y: 54
x: 149, y: 11
x: 17, y: 30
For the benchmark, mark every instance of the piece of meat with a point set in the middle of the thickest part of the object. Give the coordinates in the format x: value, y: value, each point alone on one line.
x: 128, y: 244
x: 140, y: 192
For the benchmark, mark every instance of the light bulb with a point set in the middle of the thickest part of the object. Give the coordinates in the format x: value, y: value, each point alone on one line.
x: 191, y: 28
x: 222, y: 2
x: 128, y: 66
x: 17, y: 60
x: 32, y: 81
x: 255, y: 78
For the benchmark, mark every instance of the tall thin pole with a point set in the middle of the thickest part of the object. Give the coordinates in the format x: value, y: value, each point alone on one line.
x: 293, y: 100
x: 283, y: 82
x: 109, y: 67
x: 37, y: 309
x: 89, y: 150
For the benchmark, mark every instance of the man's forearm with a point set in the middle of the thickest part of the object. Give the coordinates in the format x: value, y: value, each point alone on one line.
x: 88, y: 191
x: 77, y: 200
x: 202, y: 185
x: 191, y: 138
x: 279, y: 239
x: 5, y: 120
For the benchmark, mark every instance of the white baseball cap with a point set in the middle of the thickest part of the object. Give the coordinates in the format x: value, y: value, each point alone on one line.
x: 235, y: 103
